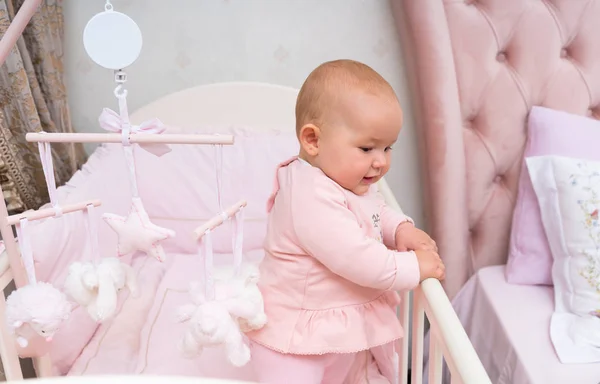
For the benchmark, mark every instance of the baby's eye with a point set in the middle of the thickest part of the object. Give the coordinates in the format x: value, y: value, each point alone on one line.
x: 388, y: 148
x: 365, y: 149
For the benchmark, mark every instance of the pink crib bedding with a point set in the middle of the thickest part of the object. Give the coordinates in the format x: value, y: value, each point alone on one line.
x: 179, y: 191
x: 508, y: 326
x: 142, y: 338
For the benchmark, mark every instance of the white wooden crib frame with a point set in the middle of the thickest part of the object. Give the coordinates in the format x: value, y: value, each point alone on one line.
x: 448, y: 340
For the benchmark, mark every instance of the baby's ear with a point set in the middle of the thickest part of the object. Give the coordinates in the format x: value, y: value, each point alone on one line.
x: 309, y: 136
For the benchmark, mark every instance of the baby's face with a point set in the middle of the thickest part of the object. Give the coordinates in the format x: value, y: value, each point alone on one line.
x: 355, y: 150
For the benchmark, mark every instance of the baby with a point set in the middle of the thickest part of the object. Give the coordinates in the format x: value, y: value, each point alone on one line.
x: 335, y: 253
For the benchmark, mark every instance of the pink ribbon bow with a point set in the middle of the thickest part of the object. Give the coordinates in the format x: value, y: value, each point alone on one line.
x: 111, y: 121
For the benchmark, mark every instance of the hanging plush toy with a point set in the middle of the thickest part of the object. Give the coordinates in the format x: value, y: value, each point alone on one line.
x: 229, y: 302
x: 210, y: 324
x: 38, y: 304
x: 240, y: 291
x: 135, y: 231
x: 95, y: 284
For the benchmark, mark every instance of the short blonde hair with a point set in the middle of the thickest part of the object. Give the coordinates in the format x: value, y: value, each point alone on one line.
x: 334, y: 78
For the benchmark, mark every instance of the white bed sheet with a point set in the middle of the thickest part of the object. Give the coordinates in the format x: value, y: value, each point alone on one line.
x: 509, y: 328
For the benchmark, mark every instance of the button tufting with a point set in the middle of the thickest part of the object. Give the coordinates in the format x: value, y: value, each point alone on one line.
x: 564, y: 53
x: 498, y: 179
x: 501, y: 57
x: 590, y: 111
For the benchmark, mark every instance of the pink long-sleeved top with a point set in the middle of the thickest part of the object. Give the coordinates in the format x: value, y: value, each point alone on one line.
x: 329, y: 276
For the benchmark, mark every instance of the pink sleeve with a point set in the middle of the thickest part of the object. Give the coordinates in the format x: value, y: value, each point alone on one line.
x: 390, y: 220
x: 328, y: 231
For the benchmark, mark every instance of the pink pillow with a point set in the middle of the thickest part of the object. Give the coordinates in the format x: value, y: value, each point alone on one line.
x: 550, y: 132
x: 179, y: 189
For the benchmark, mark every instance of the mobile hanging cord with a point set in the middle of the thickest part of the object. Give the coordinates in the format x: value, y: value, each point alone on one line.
x: 92, y: 231
x: 206, y: 253
x: 219, y: 174
x: 238, y: 240
x: 26, y: 252
x: 48, y: 168
x: 121, y: 95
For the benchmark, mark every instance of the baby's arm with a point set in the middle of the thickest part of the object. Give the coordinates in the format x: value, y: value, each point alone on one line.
x: 399, y: 231
x: 329, y: 231
x: 390, y: 220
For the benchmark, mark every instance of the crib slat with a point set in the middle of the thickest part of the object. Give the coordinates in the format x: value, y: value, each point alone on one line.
x: 418, y: 327
x: 435, y: 357
x: 8, y: 349
x: 404, y: 317
x: 43, y: 366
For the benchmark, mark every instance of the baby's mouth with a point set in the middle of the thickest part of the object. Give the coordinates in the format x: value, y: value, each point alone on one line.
x: 369, y: 180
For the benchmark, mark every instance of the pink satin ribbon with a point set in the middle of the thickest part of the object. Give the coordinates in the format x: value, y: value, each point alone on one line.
x: 111, y: 121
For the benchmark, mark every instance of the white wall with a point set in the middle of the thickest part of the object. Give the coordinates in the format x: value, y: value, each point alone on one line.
x: 193, y: 42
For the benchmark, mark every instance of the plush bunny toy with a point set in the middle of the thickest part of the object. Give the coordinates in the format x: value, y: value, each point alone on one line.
x: 245, y: 302
x: 95, y: 287
x: 211, y: 324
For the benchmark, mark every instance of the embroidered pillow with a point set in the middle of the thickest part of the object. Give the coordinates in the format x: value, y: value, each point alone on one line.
x: 568, y: 192
x: 550, y: 132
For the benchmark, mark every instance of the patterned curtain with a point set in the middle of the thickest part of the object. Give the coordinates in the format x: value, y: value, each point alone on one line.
x: 33, y: 98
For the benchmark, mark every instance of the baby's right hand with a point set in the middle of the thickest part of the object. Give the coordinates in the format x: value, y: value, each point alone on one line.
x: 430, y: 265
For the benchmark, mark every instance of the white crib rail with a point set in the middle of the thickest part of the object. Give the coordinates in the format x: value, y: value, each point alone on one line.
x: 448, y: 339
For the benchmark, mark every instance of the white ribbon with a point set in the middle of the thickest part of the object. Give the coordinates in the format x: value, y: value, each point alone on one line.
x: 206, y: 252
x: 26, y: 252
x: 48, y: 168
x: 238, y: 240
x: 92, y: 231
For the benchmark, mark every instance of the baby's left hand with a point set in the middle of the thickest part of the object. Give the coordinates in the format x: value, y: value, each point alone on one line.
x: 411, y: 238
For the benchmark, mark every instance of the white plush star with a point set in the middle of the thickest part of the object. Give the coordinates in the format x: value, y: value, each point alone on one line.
x: 137, y: 233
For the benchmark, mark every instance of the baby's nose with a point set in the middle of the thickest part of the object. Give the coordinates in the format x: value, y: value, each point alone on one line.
x: 379, y: 162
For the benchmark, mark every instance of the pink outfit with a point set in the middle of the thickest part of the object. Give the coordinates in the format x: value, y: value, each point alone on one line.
x: 328, y: 277
x: 308, y: 369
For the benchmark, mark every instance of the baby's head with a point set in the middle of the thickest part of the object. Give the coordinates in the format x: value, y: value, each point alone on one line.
x: 347, y: 118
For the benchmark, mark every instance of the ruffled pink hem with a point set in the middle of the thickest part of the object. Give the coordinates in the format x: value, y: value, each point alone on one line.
x: 347, y: 329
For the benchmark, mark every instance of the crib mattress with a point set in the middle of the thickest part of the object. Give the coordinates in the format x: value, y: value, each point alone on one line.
x: 509, y: 328
x: 142, y: 337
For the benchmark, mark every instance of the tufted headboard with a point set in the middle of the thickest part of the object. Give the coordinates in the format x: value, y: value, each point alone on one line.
x: 477, y: 67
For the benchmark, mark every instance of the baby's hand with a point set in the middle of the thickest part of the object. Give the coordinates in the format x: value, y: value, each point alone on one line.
x: 430, y: 265
x: 411, y: 238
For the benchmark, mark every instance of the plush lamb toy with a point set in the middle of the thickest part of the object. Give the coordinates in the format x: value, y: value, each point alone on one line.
x: 211, y: 324
x: 41, y: 306
x: 95, y: 287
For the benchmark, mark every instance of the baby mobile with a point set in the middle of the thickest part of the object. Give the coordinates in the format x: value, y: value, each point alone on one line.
x: 114, y: 41
x: 38, y: 307
x: 229, y: 302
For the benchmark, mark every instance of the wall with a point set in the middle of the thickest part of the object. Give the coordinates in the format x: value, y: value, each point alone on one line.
x: 193, y: 42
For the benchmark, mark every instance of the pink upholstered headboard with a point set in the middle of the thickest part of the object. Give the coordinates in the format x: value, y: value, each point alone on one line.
x: 477, y: 67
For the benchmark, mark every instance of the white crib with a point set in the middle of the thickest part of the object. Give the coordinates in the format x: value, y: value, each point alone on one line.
x: 271, y: 108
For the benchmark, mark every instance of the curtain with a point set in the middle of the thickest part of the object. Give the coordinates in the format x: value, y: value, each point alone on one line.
x: 33, y: 98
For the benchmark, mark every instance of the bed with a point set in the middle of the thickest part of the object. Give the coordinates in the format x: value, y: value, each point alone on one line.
x: 478, y: 68
x: 179, y: 191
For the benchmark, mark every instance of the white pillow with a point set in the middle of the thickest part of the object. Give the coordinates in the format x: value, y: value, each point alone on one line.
x: 568, y: 192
